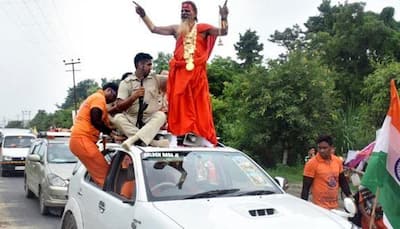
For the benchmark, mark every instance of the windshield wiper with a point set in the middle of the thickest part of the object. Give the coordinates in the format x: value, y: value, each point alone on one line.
x: 212, y: 193
x: 256, y: 192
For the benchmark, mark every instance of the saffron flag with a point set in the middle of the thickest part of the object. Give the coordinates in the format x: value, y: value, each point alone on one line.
x: 383, y: 170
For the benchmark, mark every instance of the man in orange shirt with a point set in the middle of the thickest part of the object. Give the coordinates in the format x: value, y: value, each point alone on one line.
x: 189, y: 106
x: 324, y: 174
x: 92, y: 119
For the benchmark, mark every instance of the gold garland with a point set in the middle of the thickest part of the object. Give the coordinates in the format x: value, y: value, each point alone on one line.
x: 189, y: 44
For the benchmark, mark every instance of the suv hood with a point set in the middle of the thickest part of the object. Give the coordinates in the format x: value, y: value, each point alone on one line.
x: 15, y: 152
x: 63, y: 170
x: 270, y: 211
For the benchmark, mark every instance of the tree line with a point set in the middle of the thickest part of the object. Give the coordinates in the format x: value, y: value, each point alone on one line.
x: 333, y: 78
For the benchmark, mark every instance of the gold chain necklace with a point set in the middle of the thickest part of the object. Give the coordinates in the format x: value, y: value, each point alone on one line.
x: 189, y: 44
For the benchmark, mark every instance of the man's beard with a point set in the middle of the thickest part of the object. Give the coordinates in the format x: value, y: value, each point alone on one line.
x: 184, y: 27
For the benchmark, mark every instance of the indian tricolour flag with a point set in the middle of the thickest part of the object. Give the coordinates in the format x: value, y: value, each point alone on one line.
x: 383, y: 170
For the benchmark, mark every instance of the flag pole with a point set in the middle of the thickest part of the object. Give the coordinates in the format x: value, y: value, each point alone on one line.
x: 372, y: 219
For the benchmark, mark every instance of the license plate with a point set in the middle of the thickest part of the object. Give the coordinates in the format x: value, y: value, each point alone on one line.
x: 19, y: 167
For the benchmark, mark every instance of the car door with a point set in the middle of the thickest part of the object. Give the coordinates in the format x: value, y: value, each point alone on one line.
x: 89, y: 195
x: 29, y: 165
x: 37, y: 168
x: 117, y: 205
x: 32, y: 177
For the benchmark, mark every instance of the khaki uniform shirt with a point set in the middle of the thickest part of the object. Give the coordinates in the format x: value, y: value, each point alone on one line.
x: 153, y: 95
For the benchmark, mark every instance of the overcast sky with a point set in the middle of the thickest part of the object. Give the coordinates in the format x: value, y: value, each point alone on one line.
x: 37, y: 35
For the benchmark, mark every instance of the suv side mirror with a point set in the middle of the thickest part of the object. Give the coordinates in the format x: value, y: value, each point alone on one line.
x: 34, y: 157
x: 283, y: 182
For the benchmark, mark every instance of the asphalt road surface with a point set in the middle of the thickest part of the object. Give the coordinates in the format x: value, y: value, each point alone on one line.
x: 16, y: 211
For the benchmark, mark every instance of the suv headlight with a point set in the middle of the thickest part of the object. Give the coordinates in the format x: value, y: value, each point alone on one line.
x: 56, y: 180
x: 7, y: 158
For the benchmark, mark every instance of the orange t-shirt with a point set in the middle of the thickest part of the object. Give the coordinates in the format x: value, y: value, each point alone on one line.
x: 82, y: 125
x: 325, y: 185
x: 128, y: 188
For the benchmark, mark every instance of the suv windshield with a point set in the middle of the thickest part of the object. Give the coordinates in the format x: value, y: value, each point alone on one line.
x: 198, y: 174
x: 58, y: 152
x: 17, y: 141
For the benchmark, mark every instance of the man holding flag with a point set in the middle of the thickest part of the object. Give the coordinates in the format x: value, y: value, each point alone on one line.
x: 382, y: 176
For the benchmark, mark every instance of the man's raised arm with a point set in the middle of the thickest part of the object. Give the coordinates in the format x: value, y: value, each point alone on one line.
x: 162, y: 30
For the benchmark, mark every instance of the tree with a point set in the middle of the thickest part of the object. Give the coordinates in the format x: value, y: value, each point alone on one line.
x: 219, y: 72
x: 281, y: 109
x: 248, y: 49
x: 349, y: 40
x: 42, y: 120
x: 115, y: 80
x: 376, y: 93
x: 15, y: 124
x: 161, y: 62
x: 291, y: 38
x: 62, y: 118
x: 83, y: 90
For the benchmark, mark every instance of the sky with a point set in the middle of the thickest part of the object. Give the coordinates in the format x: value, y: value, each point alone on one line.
x: 37, y: 35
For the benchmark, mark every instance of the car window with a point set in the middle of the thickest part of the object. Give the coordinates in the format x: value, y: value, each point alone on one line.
x: 41, y: 150
x: 179, y: 175
x: 34, y: 148
x: 17, y: 141
x: 124, y: 182
x: 59, y: 152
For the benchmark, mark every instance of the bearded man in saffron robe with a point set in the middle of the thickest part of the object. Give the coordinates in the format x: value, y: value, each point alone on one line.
x: 189, y: 103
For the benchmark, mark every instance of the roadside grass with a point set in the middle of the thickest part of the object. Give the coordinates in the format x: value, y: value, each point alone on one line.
x: 294, y: 174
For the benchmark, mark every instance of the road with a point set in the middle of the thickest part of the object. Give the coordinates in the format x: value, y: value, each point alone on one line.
x: 16, y: 211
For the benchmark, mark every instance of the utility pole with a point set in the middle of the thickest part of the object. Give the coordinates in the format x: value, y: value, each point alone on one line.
x: 72, y: 63
x: 25, y: 122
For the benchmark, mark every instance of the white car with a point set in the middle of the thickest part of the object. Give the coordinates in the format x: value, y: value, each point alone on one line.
x: 186, y: 187
x: 14, y: 146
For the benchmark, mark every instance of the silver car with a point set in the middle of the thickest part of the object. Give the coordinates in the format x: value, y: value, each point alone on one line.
x: 48, y: 167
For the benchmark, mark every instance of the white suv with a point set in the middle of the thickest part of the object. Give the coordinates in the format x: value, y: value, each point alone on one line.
x: 191, y: 188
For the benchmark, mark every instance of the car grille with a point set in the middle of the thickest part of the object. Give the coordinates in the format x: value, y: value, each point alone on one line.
x: 18, y: 159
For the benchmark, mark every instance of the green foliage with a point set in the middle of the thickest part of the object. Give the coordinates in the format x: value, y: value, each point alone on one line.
x: 161, y: 62
x: 62, y: 118
x: 15, y: 124
x: 376, y: 93
x: 281, y: 109
x: 294, y: 174
x: 350, y: 130
x: 291, y: 38
x: 348, y: 39
x: 248, y: 48
x: 83, y: 90
x: 41, y: 120
x: 105, y: 80
x: 219, y: 72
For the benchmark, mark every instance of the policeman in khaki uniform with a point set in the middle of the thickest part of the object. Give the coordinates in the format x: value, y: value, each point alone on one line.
x: 129, y: 92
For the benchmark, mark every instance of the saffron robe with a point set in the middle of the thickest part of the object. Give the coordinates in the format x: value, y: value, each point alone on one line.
x: 189, y: 102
